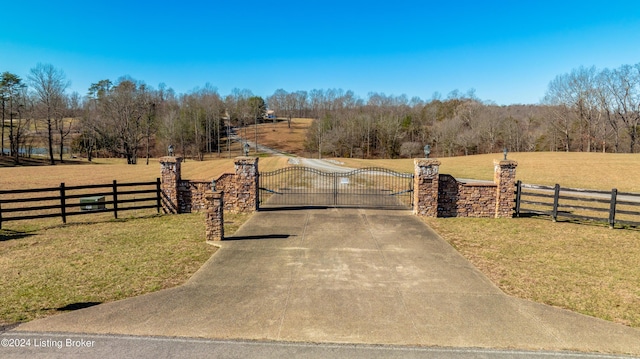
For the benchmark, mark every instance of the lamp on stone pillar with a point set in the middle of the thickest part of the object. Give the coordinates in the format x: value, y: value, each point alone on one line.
x: 170, y: 177
x: 504, y: 152
x: 426, y: 179
x: 427, y: 151
x: 246, y: 149
x: 505, y: 178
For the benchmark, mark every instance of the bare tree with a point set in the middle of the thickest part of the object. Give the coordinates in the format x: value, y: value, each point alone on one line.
x: 410, y: 149
x: 562, y: 116
x: 123, y: 111
x: 624, y: 87
x: 49, y: 85
x: 606, y: 103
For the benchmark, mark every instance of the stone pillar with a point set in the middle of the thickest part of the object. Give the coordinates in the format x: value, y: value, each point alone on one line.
x: 215, y: 216
x: 425, y: 187
x: 246, y: 184
x: 169, y: 180
x: 504, y: 175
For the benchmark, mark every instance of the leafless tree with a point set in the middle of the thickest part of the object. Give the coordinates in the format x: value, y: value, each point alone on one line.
x: 624, y: 86
x: 49, y: 85
x: 123, y: 110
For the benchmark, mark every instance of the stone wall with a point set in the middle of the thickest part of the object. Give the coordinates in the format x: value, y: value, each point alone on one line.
x: 184, y: 196
x: 441, y: 195
x: 192, y: 195
x: 226, y: 184
x: 459, y: 199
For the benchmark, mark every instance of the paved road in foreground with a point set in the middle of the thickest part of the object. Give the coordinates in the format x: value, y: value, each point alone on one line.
x: 89, y: 346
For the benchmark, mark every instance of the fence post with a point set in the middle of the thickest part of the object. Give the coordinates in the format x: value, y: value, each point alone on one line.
x: 158, y: 194
x: 0, y: 216
x: 518, y: 195
x: 612, y: 208
x: 63, y: 201
x: 115, y: 199
x: 556, y: 199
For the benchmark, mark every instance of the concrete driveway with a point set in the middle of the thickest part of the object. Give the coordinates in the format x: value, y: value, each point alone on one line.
x: 345, y: 276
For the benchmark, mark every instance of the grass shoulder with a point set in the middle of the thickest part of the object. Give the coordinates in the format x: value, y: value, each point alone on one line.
x: 584, y: 268
x: 49, y: 270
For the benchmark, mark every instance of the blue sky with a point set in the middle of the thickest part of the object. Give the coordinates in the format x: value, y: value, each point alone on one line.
x: 507, y: 51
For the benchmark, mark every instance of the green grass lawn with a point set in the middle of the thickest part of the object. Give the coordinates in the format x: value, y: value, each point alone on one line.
x: 569, y: 169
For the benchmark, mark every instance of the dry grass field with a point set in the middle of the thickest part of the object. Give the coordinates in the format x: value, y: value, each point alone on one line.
x: 280, y: 136
x: 589, y: 269
x: 103, y: 170
x: 575, y: 169
x: 46, y: 271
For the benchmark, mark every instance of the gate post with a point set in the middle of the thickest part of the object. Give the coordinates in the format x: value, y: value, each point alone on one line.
x: 504, y: 176
x: 214, y: 230
x: 425, y: 187
x: 246, y: 179
x: 169, y: 180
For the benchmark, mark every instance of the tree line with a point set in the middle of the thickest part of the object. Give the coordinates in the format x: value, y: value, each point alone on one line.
x: 124, y: 118
x: 583, y: 110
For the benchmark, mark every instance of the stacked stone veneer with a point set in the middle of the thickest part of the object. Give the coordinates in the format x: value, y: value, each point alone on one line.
x: 241, y: 189
x: 192, y: 195
x: 504, y: 175
x: 459, y: 199
x: 214, y: 222
x: 170, y: 168
x: 441, y: 195
x: 425, y: 187
x: 184, y: 196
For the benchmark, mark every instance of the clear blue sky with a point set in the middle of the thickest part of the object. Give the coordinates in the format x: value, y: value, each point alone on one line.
x: 507, y: 51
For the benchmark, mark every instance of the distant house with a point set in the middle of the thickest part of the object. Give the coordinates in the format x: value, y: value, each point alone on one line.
x: 271, y: 114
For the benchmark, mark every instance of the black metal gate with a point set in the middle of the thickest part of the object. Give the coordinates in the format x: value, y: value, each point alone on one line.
x: 367, y: 187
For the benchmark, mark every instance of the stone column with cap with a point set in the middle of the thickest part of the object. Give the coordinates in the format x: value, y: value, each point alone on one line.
x: 425, y: 187
x: 504, y: 176
x: 246, y: 179
x: 169, y: 180
x: 214, y: 229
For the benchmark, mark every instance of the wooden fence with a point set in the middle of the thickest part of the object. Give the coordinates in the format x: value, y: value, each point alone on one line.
x: 612, y: 207
x: 65, y: 201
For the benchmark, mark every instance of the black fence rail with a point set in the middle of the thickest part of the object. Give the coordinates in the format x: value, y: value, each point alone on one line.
x: 65, y: 201
x: 612, y: 207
